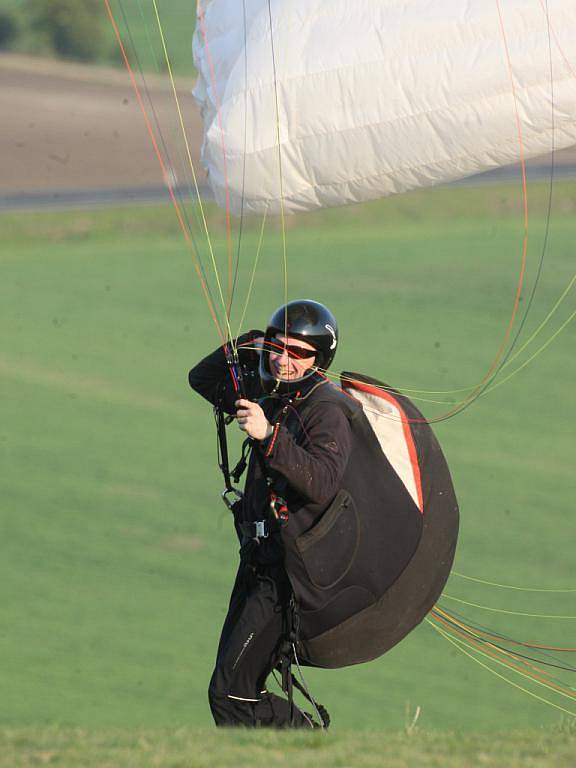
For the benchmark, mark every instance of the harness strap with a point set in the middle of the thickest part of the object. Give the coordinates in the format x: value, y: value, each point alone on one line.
x: 223, y: 461
x: 230, y: 495
x: 239, y: 469
x: 237, y: 373
x: 286, y: 658
x: 322, y: 711
x: 285, y: 669
x: 261, y: 463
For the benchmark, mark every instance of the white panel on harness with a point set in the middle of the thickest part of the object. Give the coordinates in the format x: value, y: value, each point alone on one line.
x: 390, y: 426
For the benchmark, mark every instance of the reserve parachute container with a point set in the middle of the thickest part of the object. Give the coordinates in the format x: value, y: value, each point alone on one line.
x: 373, y: 566
x: 313, y: 103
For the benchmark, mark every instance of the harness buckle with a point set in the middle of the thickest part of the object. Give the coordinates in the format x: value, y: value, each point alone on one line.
x: 256, y: 529
x: 261, y: 529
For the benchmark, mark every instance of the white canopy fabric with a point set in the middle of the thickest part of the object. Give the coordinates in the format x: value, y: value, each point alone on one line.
x: 313, y: 103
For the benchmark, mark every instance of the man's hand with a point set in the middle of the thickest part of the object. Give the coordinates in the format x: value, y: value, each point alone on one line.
x: 251, y: 419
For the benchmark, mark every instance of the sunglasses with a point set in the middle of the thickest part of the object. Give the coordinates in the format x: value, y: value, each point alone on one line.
x: 293, y: 351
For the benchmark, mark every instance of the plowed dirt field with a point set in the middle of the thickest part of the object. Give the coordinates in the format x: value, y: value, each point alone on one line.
x: 67, y: 126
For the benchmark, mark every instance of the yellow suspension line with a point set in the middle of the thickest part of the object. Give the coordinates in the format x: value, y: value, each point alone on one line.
x: 543, y: 323
x: 569, y: 693
x: 253, y: 275
x: 511, y: 586
x: 280, y: 176
x: 539, y: 329
x: 509, y: 613
x: 529, y: 360
x: 458, y: 645
x: 181, y: 119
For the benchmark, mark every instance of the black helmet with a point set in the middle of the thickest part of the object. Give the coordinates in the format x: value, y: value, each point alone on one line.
x: 302, y: 319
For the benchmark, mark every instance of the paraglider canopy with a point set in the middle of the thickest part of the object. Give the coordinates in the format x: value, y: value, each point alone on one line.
x: 312, y: 103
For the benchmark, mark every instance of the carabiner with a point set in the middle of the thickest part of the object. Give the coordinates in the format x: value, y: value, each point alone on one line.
x: 225, y: 494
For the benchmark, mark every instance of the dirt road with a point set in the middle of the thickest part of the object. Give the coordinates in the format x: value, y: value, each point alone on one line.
x: 67, y: 126
x: 71, y: 127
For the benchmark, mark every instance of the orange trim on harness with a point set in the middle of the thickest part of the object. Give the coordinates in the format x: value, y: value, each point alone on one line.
x: 272, y: 440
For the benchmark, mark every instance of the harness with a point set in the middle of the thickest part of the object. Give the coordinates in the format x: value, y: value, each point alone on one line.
x: 286, y: 658
x: 222, y: 421
x: 231, y: 495
x: 257, y: 530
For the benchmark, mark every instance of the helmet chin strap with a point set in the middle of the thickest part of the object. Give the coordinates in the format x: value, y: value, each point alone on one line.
x: 292, y: 383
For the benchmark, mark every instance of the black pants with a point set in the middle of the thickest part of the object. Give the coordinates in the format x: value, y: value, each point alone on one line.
x: 248, y: 651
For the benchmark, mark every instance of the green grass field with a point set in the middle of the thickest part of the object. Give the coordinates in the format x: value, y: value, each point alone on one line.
x: 186, y: 748
x: 117, y: 554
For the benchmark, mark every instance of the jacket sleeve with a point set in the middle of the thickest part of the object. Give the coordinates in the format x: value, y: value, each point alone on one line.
x: 314, y: 469
x: 212, y: 377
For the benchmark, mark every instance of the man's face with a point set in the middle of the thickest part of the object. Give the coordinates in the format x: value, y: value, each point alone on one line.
x: 285, y: 362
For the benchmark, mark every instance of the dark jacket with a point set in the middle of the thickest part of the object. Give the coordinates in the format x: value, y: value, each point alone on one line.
x: 305, y: 457
x: 356, y: 537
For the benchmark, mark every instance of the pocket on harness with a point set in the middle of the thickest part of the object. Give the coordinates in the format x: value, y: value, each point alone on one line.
x: 329, y: 548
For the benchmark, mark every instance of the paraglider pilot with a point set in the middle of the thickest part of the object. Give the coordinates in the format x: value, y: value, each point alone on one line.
x: 298, y: 457
x: 348, y: 523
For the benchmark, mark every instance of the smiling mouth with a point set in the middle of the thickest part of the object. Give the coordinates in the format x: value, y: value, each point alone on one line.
x: 282, y: 372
